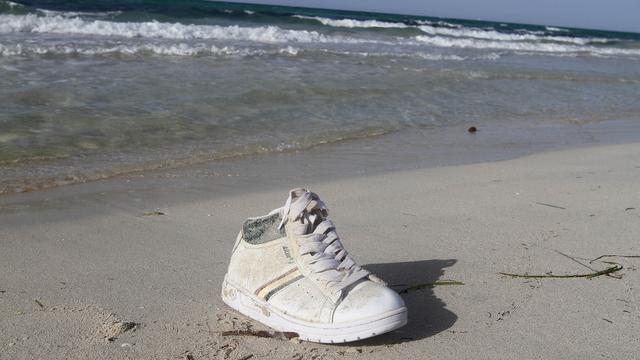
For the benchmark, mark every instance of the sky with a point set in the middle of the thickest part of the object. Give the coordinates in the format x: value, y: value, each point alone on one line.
x: 622, y: 15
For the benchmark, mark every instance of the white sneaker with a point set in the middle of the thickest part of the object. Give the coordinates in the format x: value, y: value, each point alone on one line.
x: 288, y: 270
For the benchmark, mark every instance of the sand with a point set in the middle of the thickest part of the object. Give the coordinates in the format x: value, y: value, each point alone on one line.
x: 132, y: 267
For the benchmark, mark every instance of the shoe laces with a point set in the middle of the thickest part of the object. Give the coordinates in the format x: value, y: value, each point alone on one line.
x: 320, y: 247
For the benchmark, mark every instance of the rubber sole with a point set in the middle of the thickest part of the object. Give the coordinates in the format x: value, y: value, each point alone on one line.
x: 261, y: 311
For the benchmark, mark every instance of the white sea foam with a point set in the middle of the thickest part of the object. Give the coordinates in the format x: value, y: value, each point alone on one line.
x: 551, y: 28
x: 70, y: 14
x: 495, y: 35
x: 179, y: 49
x: 249, y: 12
x: 12, y: 4
x: 530, y: 32
x: 63, y: 25
x: 186, y: 49
x: 523, y: 46
x: 350, y: 23
x: 418, y: 54
x: 471, y: 38
x: 454, y: 30
x: 422, y: 55
x: 439, y: 23
x: 451, y: 57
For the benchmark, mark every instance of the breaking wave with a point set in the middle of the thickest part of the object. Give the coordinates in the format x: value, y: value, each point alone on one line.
x: 435, y: 34
x: 12, y: 4
x: 495, y: 35
x: 454, y: 30
x: 184, y: 49
x: 349, y: 23
x: 552, y: 28
x: 538, y: 47
x: 58, y: 24
x: 180, y: 49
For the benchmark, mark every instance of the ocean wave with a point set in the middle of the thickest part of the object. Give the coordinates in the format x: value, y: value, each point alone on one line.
x: 454, y: 30
x: 530, y: 32
x: 495, y: 35
x: 449, y: 37
x: 555, y: 29
x: 180, y: 49
x: 350, y: 23
x: 523, y: 46
x: 64, y: 25
x: 184, y: 49
x: 418, y: 54
x: 10, y: 7
x: 439, y: 23
x: 11, y: 4
x: 72, y: 14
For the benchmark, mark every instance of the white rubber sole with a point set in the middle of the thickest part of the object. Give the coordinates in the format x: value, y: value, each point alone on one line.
x: 263, y: 312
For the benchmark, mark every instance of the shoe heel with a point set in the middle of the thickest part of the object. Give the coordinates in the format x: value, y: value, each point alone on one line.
x: 229, y: 293
x: 244, y: 304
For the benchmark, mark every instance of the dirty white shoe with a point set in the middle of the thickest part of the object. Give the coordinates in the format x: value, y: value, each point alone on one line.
x: 289, y: 271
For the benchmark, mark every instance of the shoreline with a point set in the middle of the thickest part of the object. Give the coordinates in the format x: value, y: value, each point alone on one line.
x: 198, y: 157
x: 390, y: 151
x: 94, y: 258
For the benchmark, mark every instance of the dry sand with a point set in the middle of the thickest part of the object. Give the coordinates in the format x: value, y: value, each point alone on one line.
x: 114, y: 281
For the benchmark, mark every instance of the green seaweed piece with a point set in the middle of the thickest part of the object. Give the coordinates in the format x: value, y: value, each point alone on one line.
x: 618, y: 256
x: 430, y: 285
x: 607, y: 271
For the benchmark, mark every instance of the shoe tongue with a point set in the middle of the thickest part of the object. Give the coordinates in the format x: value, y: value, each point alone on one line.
x: 306, y: 224
x: 305, y: 211
x: 298, y: 228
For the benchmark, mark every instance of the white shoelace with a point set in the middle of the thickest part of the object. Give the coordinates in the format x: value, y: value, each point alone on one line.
x: 321, y: 249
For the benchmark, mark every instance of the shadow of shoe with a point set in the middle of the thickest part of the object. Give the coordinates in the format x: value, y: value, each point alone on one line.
x: 428, y: 314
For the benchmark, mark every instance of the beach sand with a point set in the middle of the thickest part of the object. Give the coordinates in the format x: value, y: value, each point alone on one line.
x: 132, y: 267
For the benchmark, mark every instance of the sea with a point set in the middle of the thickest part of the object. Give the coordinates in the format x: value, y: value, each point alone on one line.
x: 95, y: 89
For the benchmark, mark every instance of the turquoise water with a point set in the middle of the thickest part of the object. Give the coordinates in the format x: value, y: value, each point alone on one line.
x: 90, y: 89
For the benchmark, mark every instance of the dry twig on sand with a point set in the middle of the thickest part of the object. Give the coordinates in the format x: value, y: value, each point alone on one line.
x: 551, y: 205
x: 41, y: 305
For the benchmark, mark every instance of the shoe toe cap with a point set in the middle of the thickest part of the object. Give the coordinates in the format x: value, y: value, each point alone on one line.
x: 367, y: 300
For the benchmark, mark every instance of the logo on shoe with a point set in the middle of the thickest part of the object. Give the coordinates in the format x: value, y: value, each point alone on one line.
x: 287, y: 253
